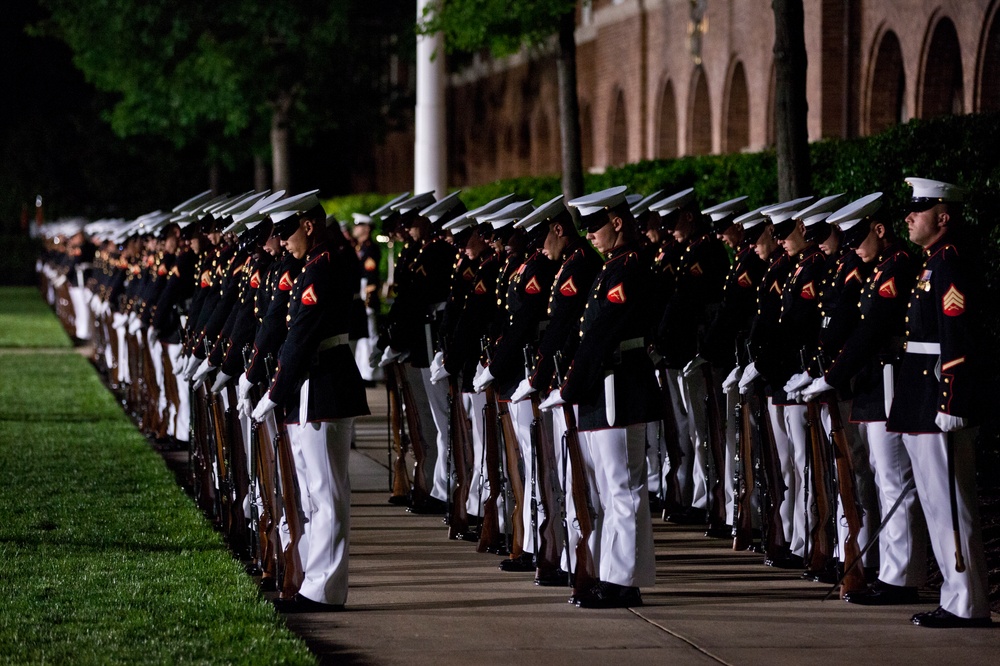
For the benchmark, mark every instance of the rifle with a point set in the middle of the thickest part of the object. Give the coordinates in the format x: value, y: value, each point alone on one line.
x: 419, y: 495
x: 290, y: 573
x: 854, y: 579
x: 673, y: 500
x: 400, y: 478
x: 820, y: 537
x: 489, y: 532
x: 772, y: 484
x: 458, y: 516
x: 742, y: 509
x: 201, y: 457
x: 585, y: 571
x: 513, y: 479
x: 543, y: 457
x: 717, y: 447
x: 263, y: 528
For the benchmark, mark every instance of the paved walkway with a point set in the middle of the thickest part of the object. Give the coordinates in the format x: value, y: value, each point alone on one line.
x: 418, y: 598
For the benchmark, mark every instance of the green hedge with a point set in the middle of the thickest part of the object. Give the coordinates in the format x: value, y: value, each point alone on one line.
x: 17, y: 259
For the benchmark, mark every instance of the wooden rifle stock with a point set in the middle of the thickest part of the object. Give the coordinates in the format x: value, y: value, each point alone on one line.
x: 743, y: 518
x: 821, y: 550
x: 400, y: 474
x: 267, y: 525
x: 458, y: 519
x: 854, y: 578
x: 516, y: 484
x: 291, y: 576
x: 673, y: 499
x: 772, y: 479
x: 239, y: 476
x: 489, y: 534
x: 201, y: 456
x: 546, y: 547
x: 420, y: 494
x: 222, y: 477
x: 717, y: 447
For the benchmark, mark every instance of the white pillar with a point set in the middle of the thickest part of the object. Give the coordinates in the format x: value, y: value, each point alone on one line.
x: 429, y: 152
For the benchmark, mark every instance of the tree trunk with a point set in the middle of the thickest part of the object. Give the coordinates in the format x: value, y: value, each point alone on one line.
x: 280, y: 161
x: 260, y: 182
x: 790, y: 105
x: 569, y: 109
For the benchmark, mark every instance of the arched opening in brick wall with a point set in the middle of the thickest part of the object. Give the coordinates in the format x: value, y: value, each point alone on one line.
x: 988, y: 81
x: 586, y: 136
x: 887, y: 89
x: 941, y: 82
x: 737, y: 119
x: 542, y: 161
x: 666, y: 145
x: 618, y: 148
x: 699, y: 116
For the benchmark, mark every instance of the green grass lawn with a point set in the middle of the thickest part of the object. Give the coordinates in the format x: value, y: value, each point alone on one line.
x: 26, y: 321
x: 103, y: 559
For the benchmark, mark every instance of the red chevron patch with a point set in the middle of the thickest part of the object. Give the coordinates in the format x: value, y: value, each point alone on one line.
x: 809, y: 292
x: 532, y: 287
x: 744, y: 280
x: 568, y: 288
x: 370, y: 264
x: 888, y: 290
x: 309, y: 296
x: 853, y: 275
x: 480, y: 288
x: 206, y: 279
x: 255, y: 280
x: 285, y: 284
x: 696, y: 270
x: 617, y: 294
x: 468, y: 274
x: 953, y: 302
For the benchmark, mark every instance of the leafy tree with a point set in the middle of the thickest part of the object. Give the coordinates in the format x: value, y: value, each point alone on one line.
x: 503, y: 27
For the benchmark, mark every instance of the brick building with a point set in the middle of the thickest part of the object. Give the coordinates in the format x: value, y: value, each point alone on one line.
x: 666, y: 78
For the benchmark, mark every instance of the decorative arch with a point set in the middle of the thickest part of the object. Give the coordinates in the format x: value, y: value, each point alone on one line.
x: 736, y: 122
x: 666, y: 143
x: 988, y: 68
x: 699, y: 115
x: 940, y: 90
x: 886, y: 86
x: 618, y: 146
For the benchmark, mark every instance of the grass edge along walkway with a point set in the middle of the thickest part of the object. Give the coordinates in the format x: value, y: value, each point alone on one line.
x: 106, y: 560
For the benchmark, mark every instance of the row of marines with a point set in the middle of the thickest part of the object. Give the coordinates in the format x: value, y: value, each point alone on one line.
x: 735, y: 368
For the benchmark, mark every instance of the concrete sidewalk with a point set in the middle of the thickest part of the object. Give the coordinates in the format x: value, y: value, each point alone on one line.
x: 418, y: 598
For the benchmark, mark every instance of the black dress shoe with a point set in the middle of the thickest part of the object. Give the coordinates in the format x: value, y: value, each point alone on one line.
x: 828, y: 575
x: 720, y: 532
x: 883, y: 594
x: 786, y: 561
x: 429, y: 507
x: 689, y: 516
x: 609, y: 595
x: 523, y: 562
x: 399, y: 500
x: 300, y: 604
x: 471, y: 535
x: 942, y: 619
x: 554, y: 578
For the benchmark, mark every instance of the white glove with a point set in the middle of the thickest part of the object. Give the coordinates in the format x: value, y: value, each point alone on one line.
x: 949, y: 423
x: 152, y: 335
x: 263, y: 407
x: 437, y: 368
x: 692, y: 365
x: 391, y: 355
x: 555, y: 399
x: 243, y: 388
x: 190, y: 367
x: 374, y: 358
x: 523, y: 390
x: 749, y: 374
x: 220, y: 381
x: 59, y: 281
x: 199, y: 376
x: 732, y: 379
x: 133, y: 324
x: 244, y: 406
x: 118, y: 320
x: 814, y: 390
x: 797, y: 382
x: 482, y: 380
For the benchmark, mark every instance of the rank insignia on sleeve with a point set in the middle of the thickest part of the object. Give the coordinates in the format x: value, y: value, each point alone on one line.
x: 206, y: 279
x: 568, y: 288
x: 696, y: 270
x: 285, y: 284
x: 888, y: 290
x: 162, y: 270
x: 309, y: 296
x: 480, y: 288
x: 255, y: 279
x: 744, y: 280
x: 468, y: 274
x: 776, y: 287
x: 953, y: 302
x: 853, y: 275
x: 176, y: 272
x: 370, y: 264
x: 809, y: 292
x: 532, y: 287
x: 617, y: 294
